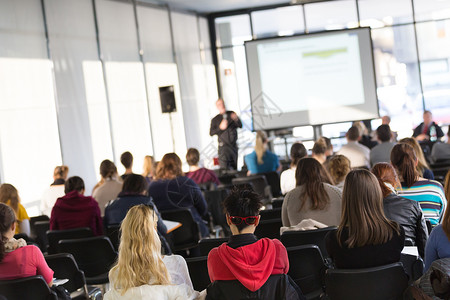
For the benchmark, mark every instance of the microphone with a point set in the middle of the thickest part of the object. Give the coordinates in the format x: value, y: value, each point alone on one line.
x: 225, y: 116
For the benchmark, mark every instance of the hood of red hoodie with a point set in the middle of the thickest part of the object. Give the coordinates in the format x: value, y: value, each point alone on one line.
x: 251, y: 264
x: 74, y: 201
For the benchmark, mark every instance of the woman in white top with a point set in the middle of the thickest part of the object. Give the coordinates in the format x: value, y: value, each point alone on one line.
x: 287, y: 178
x: 55, y: 191
x: 141, y: 272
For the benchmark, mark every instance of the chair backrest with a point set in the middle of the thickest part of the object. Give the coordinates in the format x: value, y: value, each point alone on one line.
x: 206, y: 245
x: 186, y: 236
x: 307, y: 269
x: 273, y: 179
x: 278, y: 202
x: 413, y: 266
x: 35, y: 219
x: 258, y: 182
x: 54, y: 236
x: 270, y: 214
x: 215, y: 199
x: 269, y: 229
x: 94, y: 255
x: 113, y: 232
x: 429, y: 226
x: 40, y: 231
x: 33, y: 287
x: 306, y: 237
x: 385, y: 282
x: 64, y: 266
x: 198, y: 271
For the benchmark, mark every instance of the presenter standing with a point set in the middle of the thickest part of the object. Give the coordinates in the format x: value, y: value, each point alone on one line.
x: 225, y: 125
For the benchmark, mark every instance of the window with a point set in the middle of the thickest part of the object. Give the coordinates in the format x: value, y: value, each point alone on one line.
x: 278, y: 22
x: 331, y: 15
x: 378, y: 13
x: 233, y: 30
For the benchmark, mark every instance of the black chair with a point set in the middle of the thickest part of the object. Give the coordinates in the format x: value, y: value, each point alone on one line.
x: 259, y: 184
x: 273, y: 179
x: 33, y: 287
x: 113, y: 232
x: 269, y: 229
x: 187, y: 236
x: 65, y: 267
x: 206, y: 245
x: 440, y: 169
x: 278, y: 202
x: 413, y: 266
x: 40, y: 229
x: 207, y: 186
x: 305, y: 237
x: 94, y: 255
x: 198, y: 271
x: 54, y: 236
x: 384, y: 282
x: 35, y: 219
x: 307, y: 269
x: 270, y: 214
x: 215, y: 199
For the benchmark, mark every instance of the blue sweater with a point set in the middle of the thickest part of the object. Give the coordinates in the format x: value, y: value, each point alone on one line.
x: 438, y: 246
x: 270, y: 163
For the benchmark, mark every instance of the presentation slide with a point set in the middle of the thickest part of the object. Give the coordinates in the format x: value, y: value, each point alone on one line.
x: 312, y: 79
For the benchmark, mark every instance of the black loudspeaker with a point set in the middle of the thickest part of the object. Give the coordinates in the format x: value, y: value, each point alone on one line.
x: 167, y: 96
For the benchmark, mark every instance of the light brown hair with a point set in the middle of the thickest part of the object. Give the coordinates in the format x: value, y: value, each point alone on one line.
x: 9, y: 192
x: 260, y: 147
x: 422, y: 162
x: 149, y: 166
x: 385, y: 172
x: 362, y: 212
x: 61, y: 172
x: 169, y: 167
x: 320, y: 146
x: 403, y: 158
x: 339, y: 166
x: 446, y: 218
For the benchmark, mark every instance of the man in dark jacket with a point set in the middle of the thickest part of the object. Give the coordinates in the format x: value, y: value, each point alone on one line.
x: 423, y: 132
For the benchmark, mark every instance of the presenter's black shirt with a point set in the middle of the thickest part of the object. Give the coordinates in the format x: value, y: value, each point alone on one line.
x: 229, y: 135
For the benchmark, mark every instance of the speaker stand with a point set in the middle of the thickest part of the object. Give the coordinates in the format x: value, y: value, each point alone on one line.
x: 171, y: 131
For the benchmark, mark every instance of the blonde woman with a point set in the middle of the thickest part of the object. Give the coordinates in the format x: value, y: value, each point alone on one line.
x: 261, y: 160
x: 141, y: 272
x: 149, y: 168
x: 422, y: 166
x: 10, y: 196
x: 55, y: 190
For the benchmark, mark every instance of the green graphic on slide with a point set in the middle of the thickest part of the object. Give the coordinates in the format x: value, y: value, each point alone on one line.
x: 325, y: 53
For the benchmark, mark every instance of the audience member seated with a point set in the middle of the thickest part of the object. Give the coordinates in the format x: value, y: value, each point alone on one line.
x: 422, y: 165
x: 338, y: 167
x: 365, y: 237
x: 172, y: 190
x: 382, y: 151
x: 357, y: 154
x: 441, y: 151
x: 109, y: 186
x: 386, y: 120
x: 261, y: 160
x: 199, y: 175
x: 319, y: 151
x: 366, y: 138
x: 134, y: 192
x: 423, y: 131
x: 244, y: 257
x: 315, y: 197
x: 55, y: 190
x: 438, y: 244
x: 404, y: 211
x: 74, y: 210
x: 127, y: 161
x: 287, y: 178
x: 17, y: 260
x: 141, y: 272
x: 10, y: 196
x: 428, y: 193
x: 149, y: 168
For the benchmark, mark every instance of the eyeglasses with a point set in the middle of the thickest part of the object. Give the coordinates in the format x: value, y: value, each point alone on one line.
x: 251, y: 220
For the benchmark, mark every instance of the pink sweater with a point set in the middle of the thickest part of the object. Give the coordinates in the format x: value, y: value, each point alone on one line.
x: 25, y: 262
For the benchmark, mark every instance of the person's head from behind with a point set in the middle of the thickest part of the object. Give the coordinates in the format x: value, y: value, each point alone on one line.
x: 220, y: 104
x: 312, y: 175
x: 127, y: 160
x: 192, y: 157
x: 242, y: 208
x: 422, y: 162
x: 9, y: 195
x: 329, y: 150
x: 339, y: 166
x: 384, y: 133
x: 7, y: 226
x: 427, y: 117
x: 387, y: 177
x: 298, y: 151
x: 108, y: 169
x: 169, y: 167
x: 385, y: 120
x: 404, y: 159
x: 139, y: 260
x: 320, y: 147
x: 149, y: 166
x: 353, y: 134
x: 135, y: 184
x: 74, y: 183
x: 362, y: 211
x: 60, y: 172
x: 260, y: 146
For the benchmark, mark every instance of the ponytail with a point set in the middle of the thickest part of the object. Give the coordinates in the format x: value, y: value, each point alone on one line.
x: 403, y: 158
x: 7, y: 218
x: 260, y: 149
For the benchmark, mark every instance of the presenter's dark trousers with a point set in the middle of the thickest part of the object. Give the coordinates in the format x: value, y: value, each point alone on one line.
x: 228, y: 157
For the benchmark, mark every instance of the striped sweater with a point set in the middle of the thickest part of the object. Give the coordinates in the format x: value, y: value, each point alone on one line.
x: 431, y: 197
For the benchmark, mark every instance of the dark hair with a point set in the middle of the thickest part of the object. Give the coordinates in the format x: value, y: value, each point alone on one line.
x: 134, y: 184
x: 74, y: 183
x: 384, y: 133
x: 192, y: 157
x: 298, y: 151
x: 403, y: 158
x: 126, y: 159
x: 385, y: 172
x: 242, y: 202
x: 7, y: 218
x: 320, y: 146
x: 107, y: 169
x: 312, y: 175
x: 353, y: 133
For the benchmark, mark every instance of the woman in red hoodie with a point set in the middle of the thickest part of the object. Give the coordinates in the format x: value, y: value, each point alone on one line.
x: 244, y: 257
x: 75, y: 210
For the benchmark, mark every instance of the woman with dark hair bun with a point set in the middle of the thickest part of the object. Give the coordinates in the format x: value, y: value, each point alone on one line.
x: 109, y: 186
x: 17, y: 260
x: 287, y: 178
